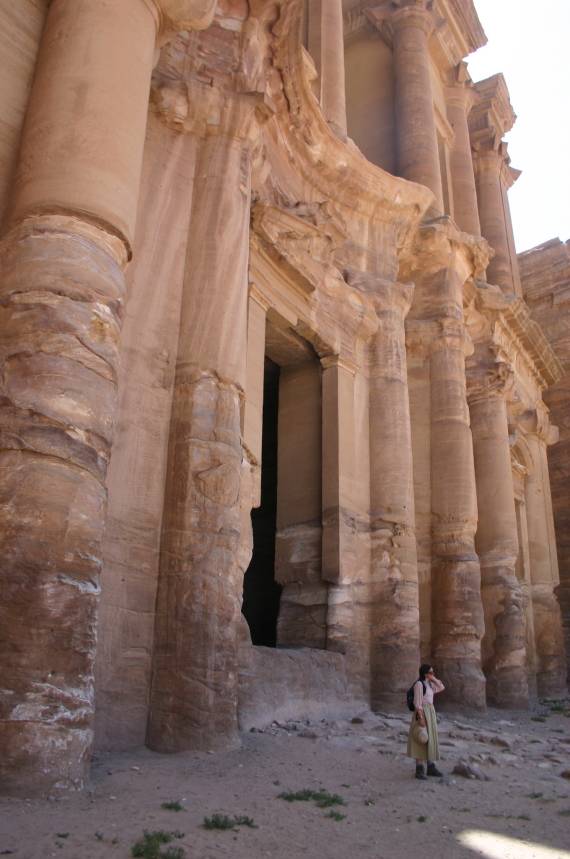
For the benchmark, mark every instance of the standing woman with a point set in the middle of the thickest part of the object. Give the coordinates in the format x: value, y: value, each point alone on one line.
x: 424, y: 717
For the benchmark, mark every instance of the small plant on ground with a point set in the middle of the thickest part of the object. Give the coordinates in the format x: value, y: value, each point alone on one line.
x: 538, y: 719
x: 335, y: 815
x: 218, y: 821
x: 557, y: 709
x: 99, y: 836
x: 523, y: 817
x: 408, y: 818
x: 63, y: 834
x: 172, y: 806
x: 564, y: 812
x: 422, y: 818
x: 369, y: 802
x: 277, y: 782
x: 323, y: 798
x: 534, y: 795
x: 242, y: 820
x: 224, y: 821
x: 150, y: 848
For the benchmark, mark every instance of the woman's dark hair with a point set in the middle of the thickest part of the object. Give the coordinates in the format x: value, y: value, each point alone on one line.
x: 425, y: 669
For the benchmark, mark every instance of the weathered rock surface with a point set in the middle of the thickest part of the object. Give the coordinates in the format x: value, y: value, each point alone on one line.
x: 307, y: 333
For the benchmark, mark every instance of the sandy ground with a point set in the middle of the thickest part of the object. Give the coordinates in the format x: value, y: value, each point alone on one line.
x: 388, y: 813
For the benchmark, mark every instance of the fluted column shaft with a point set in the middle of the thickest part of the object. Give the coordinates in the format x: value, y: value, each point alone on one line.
x: 70, y: 225
x: 548, y: 635
x: 503, y: 646
x: 194, y: 673
x: 465, y: 211
x: 488, y: 166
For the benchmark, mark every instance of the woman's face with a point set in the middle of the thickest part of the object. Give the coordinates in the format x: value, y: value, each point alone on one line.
x: 429, y: 674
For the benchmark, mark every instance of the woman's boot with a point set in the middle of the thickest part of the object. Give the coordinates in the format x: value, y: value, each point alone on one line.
x: 420, y: 771
x: 432, y: 769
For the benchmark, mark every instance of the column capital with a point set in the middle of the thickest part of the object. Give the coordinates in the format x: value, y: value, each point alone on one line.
x: 461, y: 92
x: 174, y: 15
x: 426, y: 336
x: 394, y: 15
x: 496, y: 381
x: 440, y: 245
x: 197, y: 108
x: 490, y: 155
x: 384, y: 295
x: 257, y: 295
x: 336, y: 360
x: 537, y: 422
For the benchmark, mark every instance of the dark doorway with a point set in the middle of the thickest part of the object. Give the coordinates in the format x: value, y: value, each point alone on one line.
x: 261, y: 593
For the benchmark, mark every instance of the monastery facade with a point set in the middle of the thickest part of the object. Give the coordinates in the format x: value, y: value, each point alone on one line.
x: 278, y: 396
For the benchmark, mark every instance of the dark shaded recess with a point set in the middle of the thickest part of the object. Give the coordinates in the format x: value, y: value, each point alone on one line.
x: 261, y: 593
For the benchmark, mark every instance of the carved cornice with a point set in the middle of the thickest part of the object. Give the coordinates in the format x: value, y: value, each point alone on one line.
x: 462, y: 17
x: 459, y: 35
x: 515, y: 336
x: 494, y: 114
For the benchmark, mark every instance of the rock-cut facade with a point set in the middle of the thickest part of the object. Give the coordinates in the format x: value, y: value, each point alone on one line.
x: 278, y: 398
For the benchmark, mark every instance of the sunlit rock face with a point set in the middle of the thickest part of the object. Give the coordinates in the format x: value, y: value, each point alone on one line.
x: 274, y: 422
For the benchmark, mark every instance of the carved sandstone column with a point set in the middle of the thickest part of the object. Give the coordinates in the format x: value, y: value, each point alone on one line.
x: 459, y: 100
x: 489, y: 119
x: 490, y: 164
x: 395, y: 635
x: 548, y: 636
x: 70, y: 225
x: 407, y: 26
x: 503, y: 647
x: 326, y: 46
x: 194, y: 676
x: 441, y: 262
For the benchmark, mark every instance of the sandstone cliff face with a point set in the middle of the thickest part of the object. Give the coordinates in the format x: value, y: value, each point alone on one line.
x: 545, y: 273
x: 213, y: 303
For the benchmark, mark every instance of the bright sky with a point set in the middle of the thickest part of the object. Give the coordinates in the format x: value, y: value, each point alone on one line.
x: 530, y: 43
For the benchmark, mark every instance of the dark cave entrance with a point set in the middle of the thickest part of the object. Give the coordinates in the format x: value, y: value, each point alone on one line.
x: 261, y: 593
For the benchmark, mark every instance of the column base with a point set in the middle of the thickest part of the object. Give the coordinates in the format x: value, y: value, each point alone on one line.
x: 508, y: 688
x: 41, y: 760
x: 464, y: 686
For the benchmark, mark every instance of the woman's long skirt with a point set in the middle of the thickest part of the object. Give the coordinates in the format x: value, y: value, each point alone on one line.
x: 424, y: 751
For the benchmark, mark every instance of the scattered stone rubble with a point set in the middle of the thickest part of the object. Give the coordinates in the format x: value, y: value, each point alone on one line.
x: 471, y: 747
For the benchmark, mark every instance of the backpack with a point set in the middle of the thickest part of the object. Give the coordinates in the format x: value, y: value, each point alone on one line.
x: 410, y: 695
